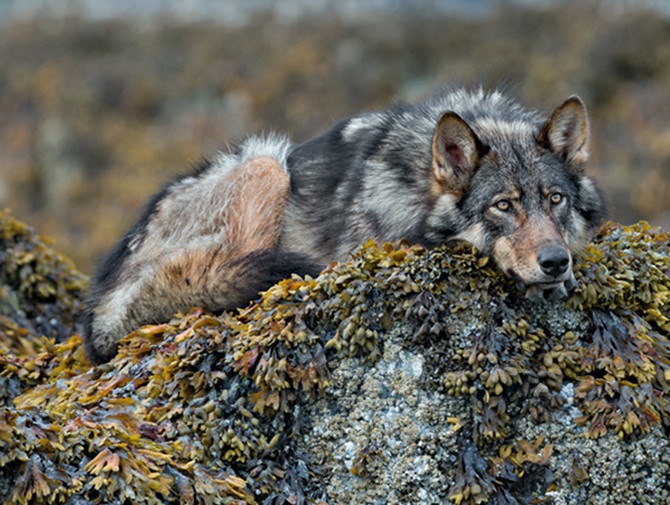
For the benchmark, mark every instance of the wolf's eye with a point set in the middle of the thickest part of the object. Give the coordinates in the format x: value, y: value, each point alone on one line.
x: 503, y: 205
x: 556, y: 198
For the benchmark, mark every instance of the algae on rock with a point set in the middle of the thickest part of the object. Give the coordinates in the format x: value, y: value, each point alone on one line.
x: 41, y: 296
x: 404, y: 376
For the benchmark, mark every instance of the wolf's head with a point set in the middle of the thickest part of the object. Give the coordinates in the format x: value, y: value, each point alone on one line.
x: 519, y: 189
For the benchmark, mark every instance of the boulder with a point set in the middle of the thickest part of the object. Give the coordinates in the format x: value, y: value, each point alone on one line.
x: 404, y: 376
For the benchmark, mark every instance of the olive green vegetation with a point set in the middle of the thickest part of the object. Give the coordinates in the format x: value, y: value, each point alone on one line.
x: 208, y: 409
x: 95, y: 116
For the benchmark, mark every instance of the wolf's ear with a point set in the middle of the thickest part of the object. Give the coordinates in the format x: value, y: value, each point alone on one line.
x: 456, y: 153
x: 566, y: 133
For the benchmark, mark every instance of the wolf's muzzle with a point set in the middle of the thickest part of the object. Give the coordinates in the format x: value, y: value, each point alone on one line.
x: 554, y: 261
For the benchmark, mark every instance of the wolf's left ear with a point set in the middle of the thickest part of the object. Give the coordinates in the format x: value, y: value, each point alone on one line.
x: 456, y: 153
x: 566, y: 133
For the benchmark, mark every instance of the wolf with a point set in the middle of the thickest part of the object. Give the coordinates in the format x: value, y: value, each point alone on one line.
x: 464, y: 164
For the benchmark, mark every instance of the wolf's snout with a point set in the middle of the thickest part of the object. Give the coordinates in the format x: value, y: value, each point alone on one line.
x: 554, y: 261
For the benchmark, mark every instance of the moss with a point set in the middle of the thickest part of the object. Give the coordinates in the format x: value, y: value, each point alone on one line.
x: 205, y: 409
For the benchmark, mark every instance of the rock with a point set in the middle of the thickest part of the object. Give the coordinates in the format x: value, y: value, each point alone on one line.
x: 404, y: 376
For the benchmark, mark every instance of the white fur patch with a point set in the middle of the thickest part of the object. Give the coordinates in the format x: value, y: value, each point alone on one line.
x: 587, y: 185
x: 518, y: 129
x: 397, y: 208
x: 577, y: 241
x: 111, y: 314
x: 474, y: 235
x: 356, y: 124
x: 195, y: 209
x: 446, y: 205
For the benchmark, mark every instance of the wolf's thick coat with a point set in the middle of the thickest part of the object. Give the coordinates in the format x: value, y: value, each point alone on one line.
x: 463, y: 165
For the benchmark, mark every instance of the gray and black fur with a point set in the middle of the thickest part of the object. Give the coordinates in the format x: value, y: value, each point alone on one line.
x: 463, y: 165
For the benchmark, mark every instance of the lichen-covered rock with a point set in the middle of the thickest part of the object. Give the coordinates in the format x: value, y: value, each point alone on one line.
x: 405, y: 376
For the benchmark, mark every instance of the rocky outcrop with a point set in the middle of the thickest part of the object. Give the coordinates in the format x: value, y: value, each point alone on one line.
x: 404, y: 376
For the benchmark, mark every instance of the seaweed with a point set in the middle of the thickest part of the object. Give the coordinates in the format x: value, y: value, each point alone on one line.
x: 205, y: 408
x: 41, y: 297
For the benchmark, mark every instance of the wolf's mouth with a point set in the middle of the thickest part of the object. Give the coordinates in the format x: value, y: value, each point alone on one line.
x: 548, y: 290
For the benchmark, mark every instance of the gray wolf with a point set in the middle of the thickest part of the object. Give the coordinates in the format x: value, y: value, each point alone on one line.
x: 462, y: 165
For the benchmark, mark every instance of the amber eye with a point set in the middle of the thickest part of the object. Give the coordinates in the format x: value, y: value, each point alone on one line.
x: 503, y: 205
x: 556, y: 198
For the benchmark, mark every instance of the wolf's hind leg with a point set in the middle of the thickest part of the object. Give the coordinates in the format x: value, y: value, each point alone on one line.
x: 225, y: 276
x: 217, y: 269
x: 261, y: 193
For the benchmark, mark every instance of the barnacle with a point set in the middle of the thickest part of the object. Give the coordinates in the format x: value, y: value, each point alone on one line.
x: 205, y: 409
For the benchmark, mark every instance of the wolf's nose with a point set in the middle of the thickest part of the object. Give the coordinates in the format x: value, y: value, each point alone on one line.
x: 554, y: 261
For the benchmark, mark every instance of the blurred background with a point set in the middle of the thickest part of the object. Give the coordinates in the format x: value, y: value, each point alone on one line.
x: 103, y: 102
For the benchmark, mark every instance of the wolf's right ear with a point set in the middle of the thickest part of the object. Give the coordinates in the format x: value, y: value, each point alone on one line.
x: 456, y: 153
x: 566, y: 133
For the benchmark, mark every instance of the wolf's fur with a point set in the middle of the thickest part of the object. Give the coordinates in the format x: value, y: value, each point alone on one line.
x: 461, y: 165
